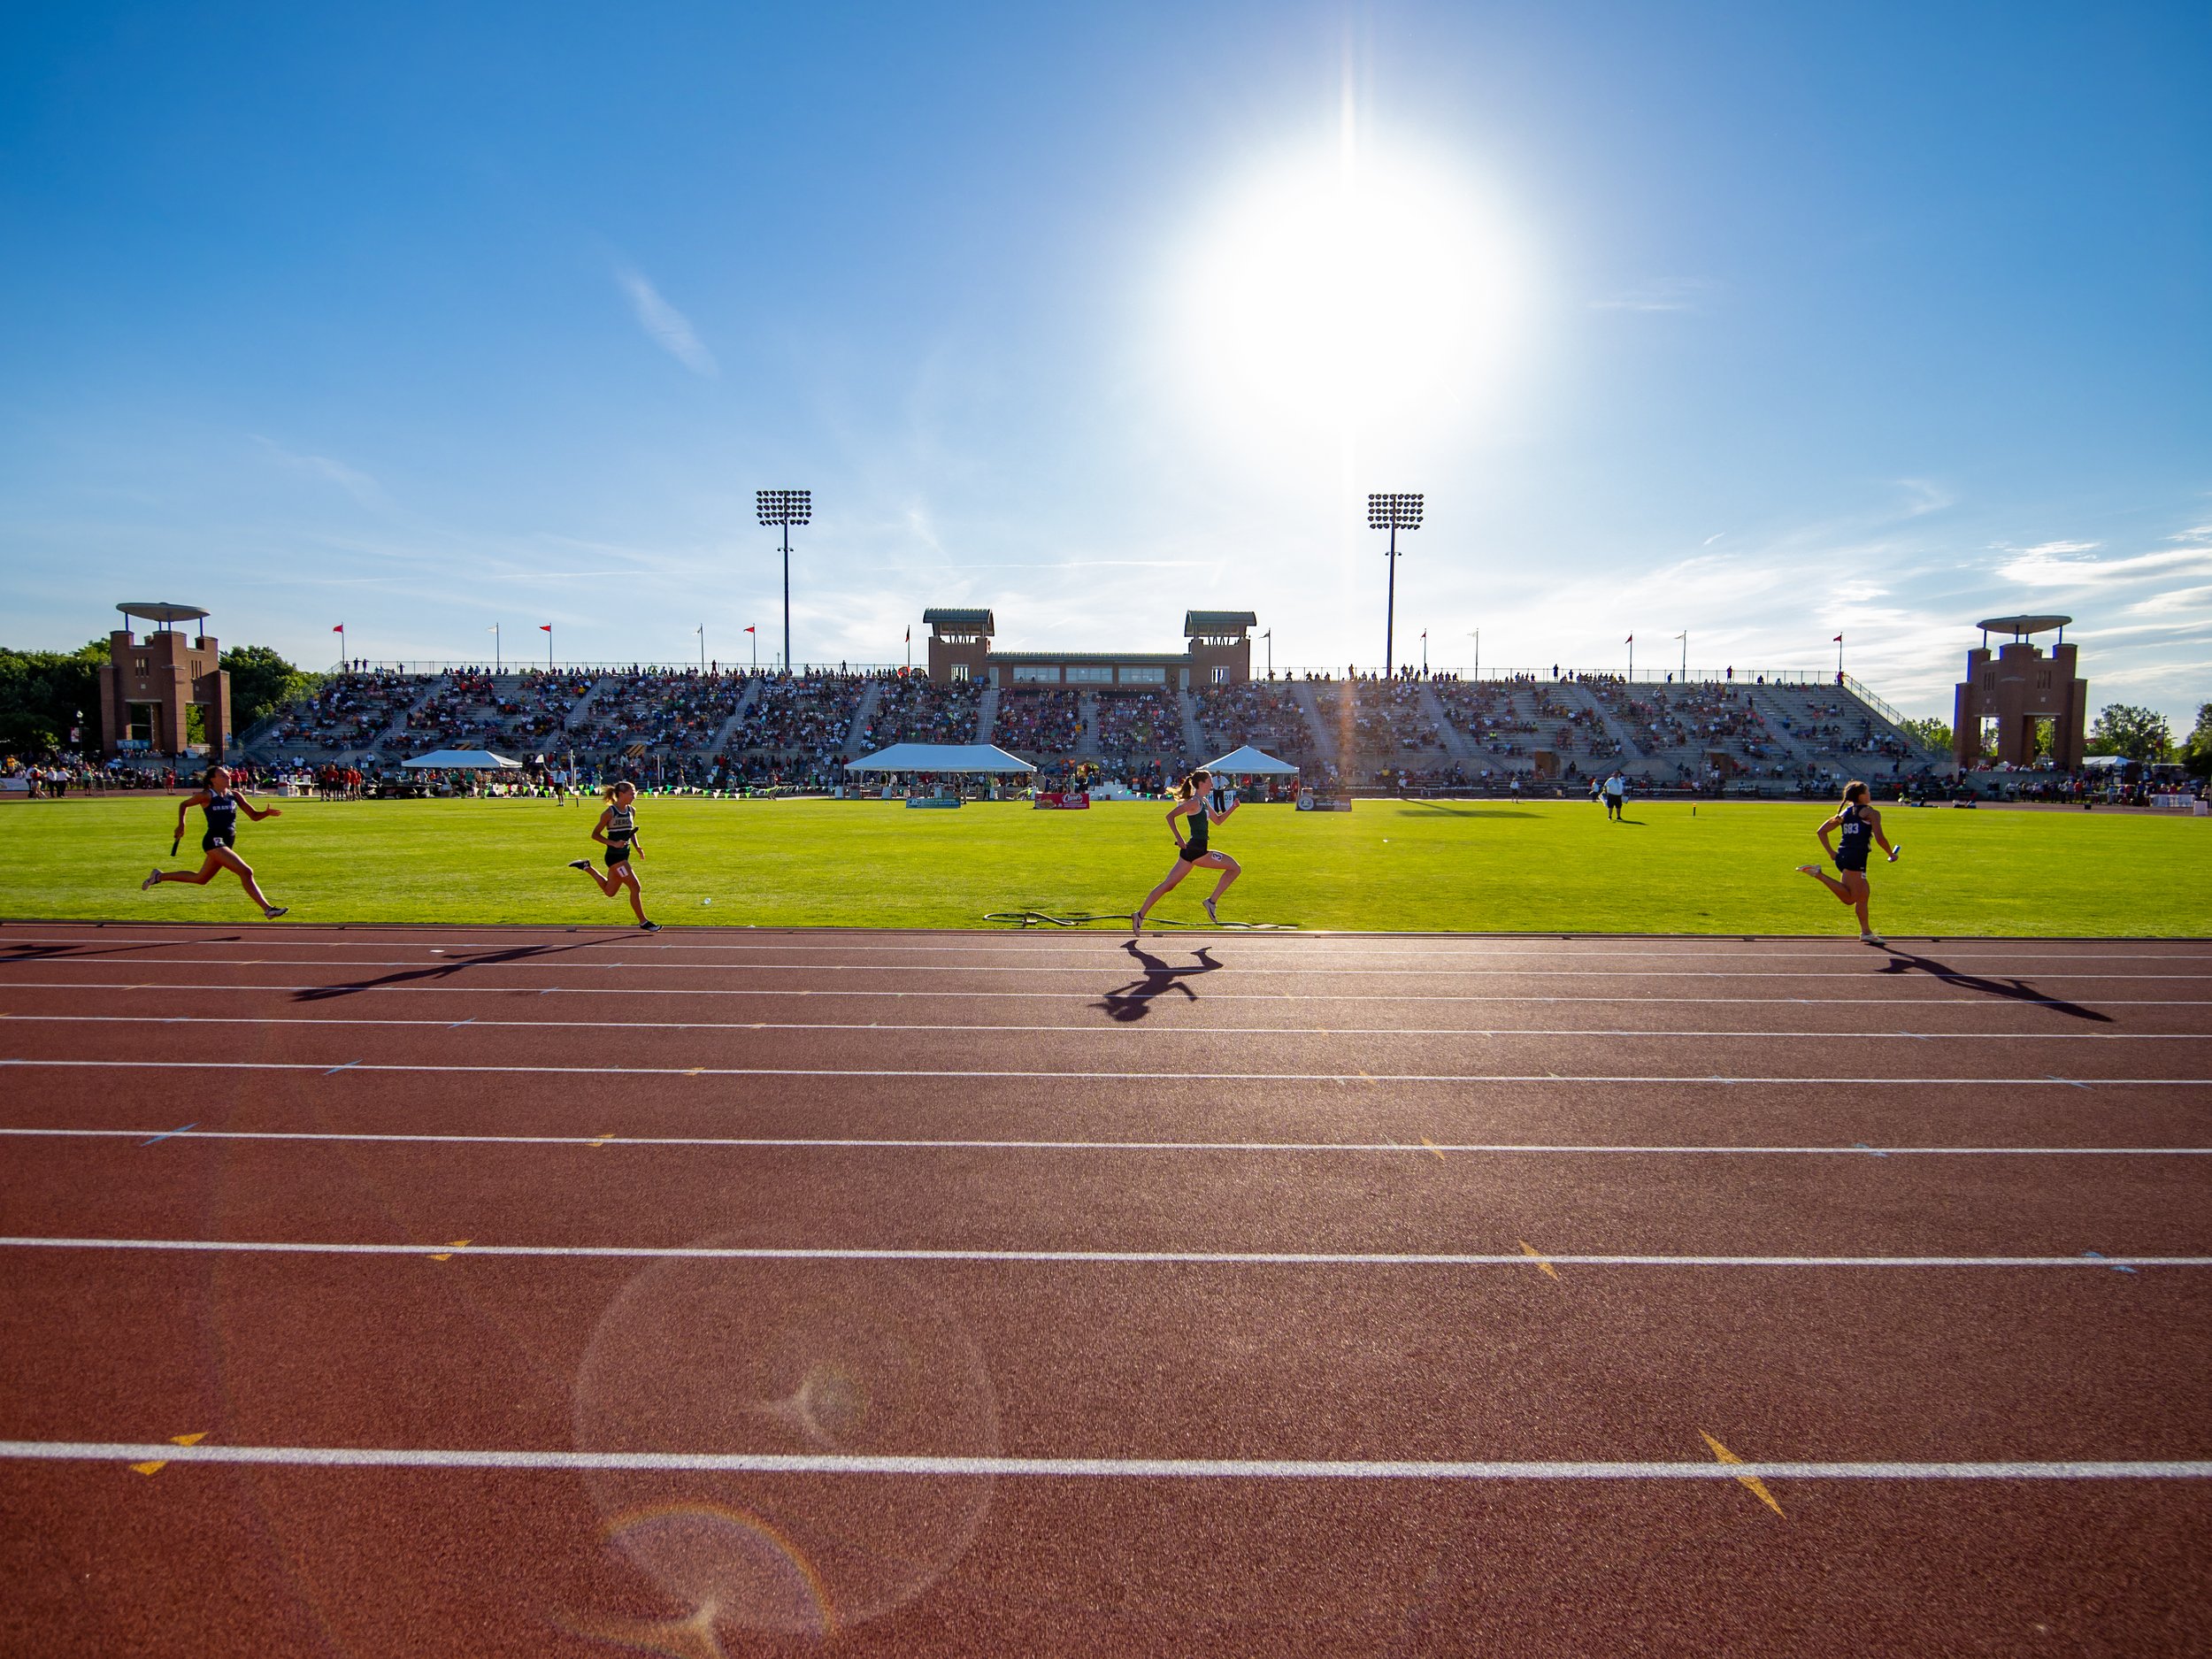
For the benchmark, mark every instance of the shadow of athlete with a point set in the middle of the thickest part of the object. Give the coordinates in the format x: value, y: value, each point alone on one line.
x: 443, y: 970
x: 1133, y: 1001
x: 2014, y: 990
x: 62, y: 953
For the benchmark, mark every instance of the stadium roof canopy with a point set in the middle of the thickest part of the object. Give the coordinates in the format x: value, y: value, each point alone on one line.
x: 2020, y: 627
x: 982, y: 621
x: 940, y: 757
x: 161, y: 610
x: 1168, y: 659
x: 463, y: 760
x: 1195, y: 622
x: 1249, y: 762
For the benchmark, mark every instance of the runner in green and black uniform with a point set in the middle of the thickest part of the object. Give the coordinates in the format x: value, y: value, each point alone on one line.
x: 1192, y: 803
x: 220, y: 805
x: 616, y: 831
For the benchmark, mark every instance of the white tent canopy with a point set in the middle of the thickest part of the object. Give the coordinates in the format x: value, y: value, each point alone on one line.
x: 463, y: 760
x: 940, y: 757
x: 1249, y: 762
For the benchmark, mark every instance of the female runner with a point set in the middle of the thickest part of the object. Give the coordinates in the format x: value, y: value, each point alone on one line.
x: 1191, y: 851
x: 616, y: 831
x: 221, y: 805
x: 1860, y: 825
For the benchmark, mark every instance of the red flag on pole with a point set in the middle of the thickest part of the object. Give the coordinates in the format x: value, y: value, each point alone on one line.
x: 341, y: 628
x: 545, y: 628
x: 1839, y: 639
x: 748, y: 630
x: 1631, y: 640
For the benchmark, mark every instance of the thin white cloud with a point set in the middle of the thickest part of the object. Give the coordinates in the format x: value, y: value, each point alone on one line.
x: 1666, y: 295
x: 668, y: 328
x: 2058, y: 564
x: 354, y: 482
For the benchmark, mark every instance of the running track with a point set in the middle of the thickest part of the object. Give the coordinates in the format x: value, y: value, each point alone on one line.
x: 565, y: 1291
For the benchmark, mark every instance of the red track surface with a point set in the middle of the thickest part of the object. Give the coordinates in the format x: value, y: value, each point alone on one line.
x: 1013, y: 1130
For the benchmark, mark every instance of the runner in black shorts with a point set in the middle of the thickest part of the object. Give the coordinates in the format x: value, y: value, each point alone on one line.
x: 221, y: 808
x: 1860, y: 825
x: 1191, y: 802
x: 616, y: 830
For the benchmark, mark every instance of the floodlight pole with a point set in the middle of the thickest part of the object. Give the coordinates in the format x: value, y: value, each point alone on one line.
x: 787, y: 593
x: 1391, y: 512
x: 1390, y: 605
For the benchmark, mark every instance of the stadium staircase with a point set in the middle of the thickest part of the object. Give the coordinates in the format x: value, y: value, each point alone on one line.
x: 987, y: 714
x: 737, y: 719
x: 855, y: 734
x: 1455, y: 743
x: 1630, y: 753
x: 581, y: 713
x: 1194, y: 734
x: 1087, y: 745
x: 1317, y: 728
x: 397, y: 729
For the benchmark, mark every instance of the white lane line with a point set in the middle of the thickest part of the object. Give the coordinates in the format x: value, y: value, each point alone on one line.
x: 1123, y: 1468
x: 1096, y: 1076
x: 1132, y: 1258
x: 557, y: 961
x: 1698, y: 946
x: 822, y: 1143
x: 322, y: 988
x: 1140, y: 1028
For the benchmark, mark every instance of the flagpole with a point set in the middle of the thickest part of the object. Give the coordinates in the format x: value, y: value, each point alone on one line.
x: 498, y: 662
x: 1631, y: 659
x: 702, y: 632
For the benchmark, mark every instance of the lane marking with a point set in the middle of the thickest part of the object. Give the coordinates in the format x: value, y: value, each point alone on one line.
x: 1169, y: 1258
x: 1119, y: 1029
x: 927, y: 1144
x: 1992, y: 1005
x: 1752, y: 1483
x: 1432, y: 1147
x: 169, y: 1135
x: 451, y: 1250
x: 2098, y: 1255
x: 1126, y: 1468
x: 1695, y: 946
x: 155, y: 1465
x: 1115, y: 1076
x: 1542, y: 1266
x: 1105, y: 965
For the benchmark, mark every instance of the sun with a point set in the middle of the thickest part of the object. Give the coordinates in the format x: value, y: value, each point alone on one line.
x: 1346, y: 290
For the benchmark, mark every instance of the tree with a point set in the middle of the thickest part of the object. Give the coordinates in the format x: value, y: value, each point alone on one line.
x: 1928, y: 734
x: 261, y: 682
x: 2196, y: 748
x: 45, y: 695
x: 2122, y: 728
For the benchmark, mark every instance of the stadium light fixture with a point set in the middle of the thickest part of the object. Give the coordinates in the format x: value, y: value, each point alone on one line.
x: 1393, y: 512
x: 783, y: 507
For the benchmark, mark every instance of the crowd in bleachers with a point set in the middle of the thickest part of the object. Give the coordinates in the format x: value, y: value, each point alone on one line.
x: 914, y: 708
x: 1143, y: 723
x: 1378, y: 718
x: 346, y: 711
x: 657, y: 711
x: 1047, y: 720
x: 797, y: 718
x: 1263, y: 713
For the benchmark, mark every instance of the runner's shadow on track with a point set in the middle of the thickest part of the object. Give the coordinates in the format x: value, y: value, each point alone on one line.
x: 1133, y: 1001
x: 50, y: 953
x: 2014, y: 990
x: 443, y: 970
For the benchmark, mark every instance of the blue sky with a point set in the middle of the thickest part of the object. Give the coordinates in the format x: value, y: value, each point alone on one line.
x: 1759, y: 322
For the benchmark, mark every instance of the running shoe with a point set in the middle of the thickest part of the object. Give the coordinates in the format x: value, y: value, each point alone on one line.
x: 153, y: 880
x: 649, y: 927
x: 1211, y: 916
x: 272, y: 911
x: 1136, y: 923
x: 1808, y: 870
x: 1872, y: 939
x: 583, y: 864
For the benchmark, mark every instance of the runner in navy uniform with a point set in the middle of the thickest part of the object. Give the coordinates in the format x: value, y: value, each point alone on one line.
x: 1191, y: 802
x: 616, y: 831
x: 1859, y: 829
x: 221, y: 808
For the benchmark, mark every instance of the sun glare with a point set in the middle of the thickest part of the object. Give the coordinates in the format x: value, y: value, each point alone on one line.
x: 1347, y: 291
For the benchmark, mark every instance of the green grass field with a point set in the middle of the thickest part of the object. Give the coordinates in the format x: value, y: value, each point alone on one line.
x: 1477, y: 866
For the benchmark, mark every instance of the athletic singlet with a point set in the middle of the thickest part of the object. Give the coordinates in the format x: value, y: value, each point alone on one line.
x: 1854, y: 838
x: 222, y: 816
x: 621, y: 825
x: 1194, y: 838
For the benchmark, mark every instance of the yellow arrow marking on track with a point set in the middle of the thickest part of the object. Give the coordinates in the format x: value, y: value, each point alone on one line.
x: 602, y: 1140
x: 1529, y: 1250
x: 694, y: 1070
x: 1432, y: 1147
x: 1752, y: 1483
x: 447, y: 1254
x: 175, y: 1440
